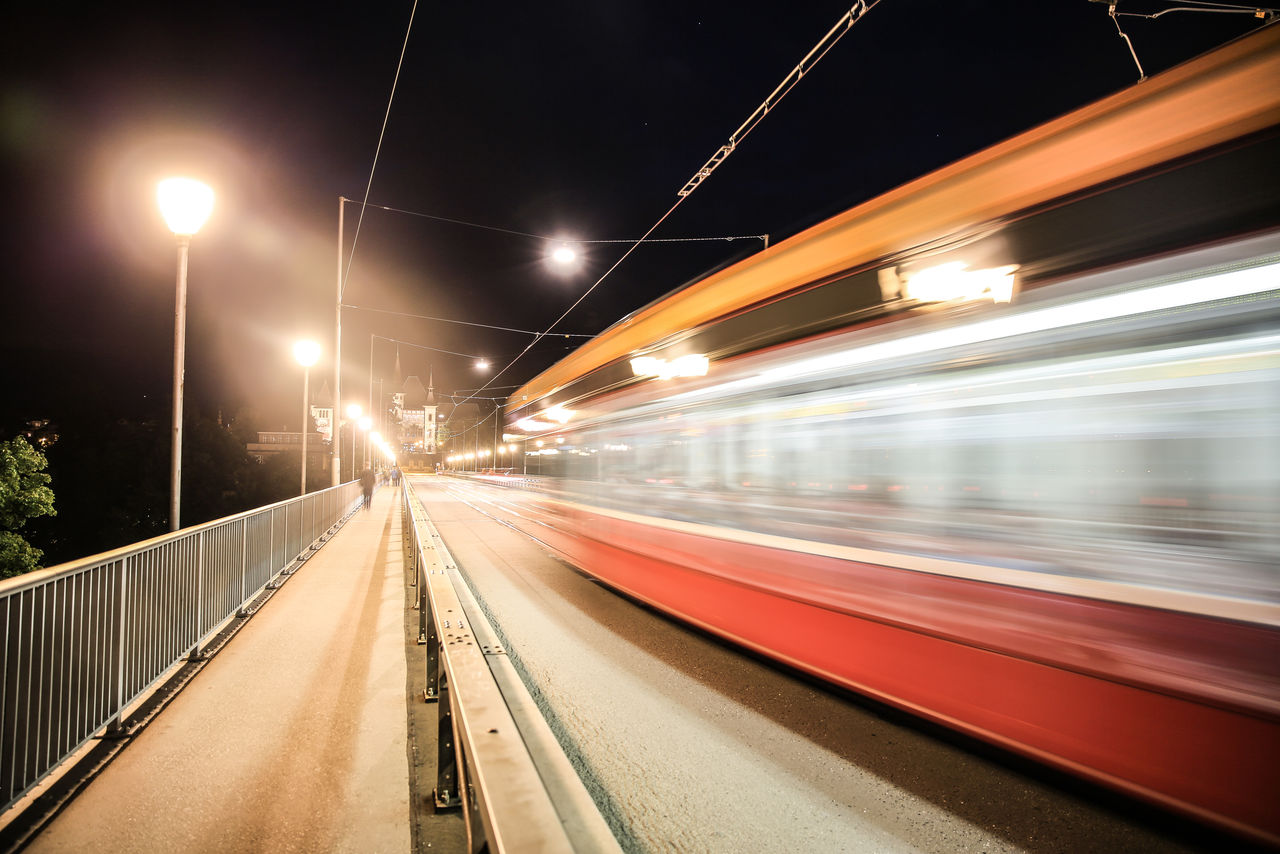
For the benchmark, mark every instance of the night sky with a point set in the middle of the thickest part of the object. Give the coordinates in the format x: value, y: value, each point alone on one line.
x: 580, y: 120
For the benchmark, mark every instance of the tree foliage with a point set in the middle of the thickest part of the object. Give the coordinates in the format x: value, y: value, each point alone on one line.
x: 24, y: 495
x: 113, y: 478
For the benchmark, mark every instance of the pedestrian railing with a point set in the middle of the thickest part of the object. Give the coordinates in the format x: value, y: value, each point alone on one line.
x: 81, y: 642
x: 497, y: 758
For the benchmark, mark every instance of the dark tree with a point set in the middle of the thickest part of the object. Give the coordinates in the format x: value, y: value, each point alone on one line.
x: 24, y: 495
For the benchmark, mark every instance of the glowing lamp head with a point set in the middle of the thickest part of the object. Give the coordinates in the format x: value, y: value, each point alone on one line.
x: 482, y: 364
x: 185, y: 204
x: 306, y: 352
x: 564, y: 255
x: 354, y: 411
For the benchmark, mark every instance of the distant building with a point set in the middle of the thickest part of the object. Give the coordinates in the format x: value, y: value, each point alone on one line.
x: 272, y: 443
x: 275, y: 442
x: 416, y: 412
x: 322, y: 412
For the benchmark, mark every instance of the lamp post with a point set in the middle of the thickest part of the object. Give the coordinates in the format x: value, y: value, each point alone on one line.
x: 185, y: 205
x: 353, y: 416
x: 306, y: 352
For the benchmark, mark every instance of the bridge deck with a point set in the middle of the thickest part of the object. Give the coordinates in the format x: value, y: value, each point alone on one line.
x: 293, y: 738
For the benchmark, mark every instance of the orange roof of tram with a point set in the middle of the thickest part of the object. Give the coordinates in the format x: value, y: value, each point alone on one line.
x: 1225, y: 94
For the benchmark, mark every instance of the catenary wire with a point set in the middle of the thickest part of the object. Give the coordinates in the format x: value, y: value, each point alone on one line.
x: 549, y: 238
x: 462, y: 322
x: 377, y: 150
x: 842, y: 26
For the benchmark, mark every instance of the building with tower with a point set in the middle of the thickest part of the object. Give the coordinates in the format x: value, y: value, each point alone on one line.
x: 416, y: 412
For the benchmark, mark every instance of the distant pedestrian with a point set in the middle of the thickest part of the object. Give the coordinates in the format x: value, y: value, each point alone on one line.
x: 367, y: 481
x: 395, y: 476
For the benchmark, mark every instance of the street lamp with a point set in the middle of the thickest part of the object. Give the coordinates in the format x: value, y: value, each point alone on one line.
x: 306, y: 352
x: 185, y: 205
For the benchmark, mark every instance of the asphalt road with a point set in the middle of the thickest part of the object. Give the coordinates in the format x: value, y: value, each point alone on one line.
x: 688, y: 745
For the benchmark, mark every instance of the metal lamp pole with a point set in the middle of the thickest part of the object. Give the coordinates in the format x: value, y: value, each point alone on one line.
x: 337, y: 354
x: 185, y: 205
x: 306, y: 352
x: 179, y: 384
x: 353, y: 417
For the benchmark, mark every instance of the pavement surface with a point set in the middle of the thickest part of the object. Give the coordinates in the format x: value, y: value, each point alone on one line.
x: 292, y: 738
x: 688, y: 745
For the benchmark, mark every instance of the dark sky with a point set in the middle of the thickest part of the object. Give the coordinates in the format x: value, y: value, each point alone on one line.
x: 555, y: 118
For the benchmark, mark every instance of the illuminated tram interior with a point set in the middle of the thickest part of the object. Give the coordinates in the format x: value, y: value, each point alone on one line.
x: 1132, y: 435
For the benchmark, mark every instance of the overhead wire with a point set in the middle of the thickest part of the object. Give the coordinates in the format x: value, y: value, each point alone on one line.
x: 820, y: 50
x: 425, y: 347
x: 461, y: 322
x: 386, y: 118
x: 552, y: 239
x: 1266, y: 12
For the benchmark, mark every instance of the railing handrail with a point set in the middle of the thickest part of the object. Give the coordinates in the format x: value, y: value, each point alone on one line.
x: 527, y: 795
x: 38, y: 576
x: 88, y: 639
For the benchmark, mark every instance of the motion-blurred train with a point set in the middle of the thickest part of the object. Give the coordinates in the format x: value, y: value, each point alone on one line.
x: 1000, y: 447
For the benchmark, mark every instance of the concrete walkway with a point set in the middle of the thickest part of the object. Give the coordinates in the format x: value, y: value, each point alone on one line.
x: 293, y: 738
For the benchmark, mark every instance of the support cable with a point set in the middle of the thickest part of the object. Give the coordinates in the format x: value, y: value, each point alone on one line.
x: 842, y: 26
x: 1142, y: 75
x: 549, y: 239
x: 1267, y: 13
x: 386, y: 118
x: 463, y: 322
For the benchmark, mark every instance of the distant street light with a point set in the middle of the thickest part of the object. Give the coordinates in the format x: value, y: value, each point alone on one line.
x: 185, y: 205
x: 564, y: 255
x: 306, y: 352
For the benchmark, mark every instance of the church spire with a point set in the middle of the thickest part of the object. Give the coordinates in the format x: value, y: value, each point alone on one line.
x: 431, y: 387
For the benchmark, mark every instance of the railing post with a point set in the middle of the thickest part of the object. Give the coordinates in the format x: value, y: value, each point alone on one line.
x: 424, y: 606
x: 446, y: 755
x: 428, y: 635
x: 244, y: 563
x: 115, y: 725
x: 195, y: 649
x: 271, y: 543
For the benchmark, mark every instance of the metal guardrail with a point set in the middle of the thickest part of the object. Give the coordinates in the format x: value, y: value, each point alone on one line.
x: 81, y: 642
x: 498, y: 759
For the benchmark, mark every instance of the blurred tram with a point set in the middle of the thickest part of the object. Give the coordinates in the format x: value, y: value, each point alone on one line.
x: 1000, y: 447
